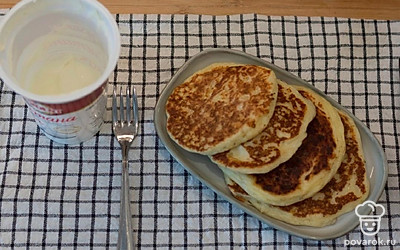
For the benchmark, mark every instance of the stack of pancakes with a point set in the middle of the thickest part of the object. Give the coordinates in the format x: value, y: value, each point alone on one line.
x: 282, y: 148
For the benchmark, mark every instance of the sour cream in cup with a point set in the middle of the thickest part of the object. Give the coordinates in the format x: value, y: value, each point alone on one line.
x: 58, y: 56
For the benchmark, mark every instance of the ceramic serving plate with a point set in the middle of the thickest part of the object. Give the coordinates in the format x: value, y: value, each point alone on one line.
x: 208, y: 173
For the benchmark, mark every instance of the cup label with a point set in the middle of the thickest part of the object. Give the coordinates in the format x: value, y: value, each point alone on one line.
x: 73, y: 127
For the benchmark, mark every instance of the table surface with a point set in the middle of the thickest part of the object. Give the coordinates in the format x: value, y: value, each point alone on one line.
x: 365, y: 9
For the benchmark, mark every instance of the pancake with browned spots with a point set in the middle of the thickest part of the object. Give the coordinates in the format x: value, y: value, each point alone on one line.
x: 278, y: 141
x: 310, y: 168
x: 348, y: 188
x: 221, y: 107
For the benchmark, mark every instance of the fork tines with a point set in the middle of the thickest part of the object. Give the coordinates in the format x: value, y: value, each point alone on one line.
x: 130, y: 112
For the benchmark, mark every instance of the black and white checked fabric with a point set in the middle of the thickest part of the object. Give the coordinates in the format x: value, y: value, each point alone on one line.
x: 56, y: 196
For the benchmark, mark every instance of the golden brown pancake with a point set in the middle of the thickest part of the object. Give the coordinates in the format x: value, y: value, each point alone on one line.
x: 310, y: 168
x: 278, y: 141
x: 221, y: 107
x: 348, y: 188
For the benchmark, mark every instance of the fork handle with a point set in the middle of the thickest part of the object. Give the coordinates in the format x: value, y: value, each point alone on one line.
x: 125, y: 237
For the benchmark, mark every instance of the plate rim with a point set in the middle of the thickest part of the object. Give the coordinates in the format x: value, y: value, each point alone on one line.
x: 247, y: 209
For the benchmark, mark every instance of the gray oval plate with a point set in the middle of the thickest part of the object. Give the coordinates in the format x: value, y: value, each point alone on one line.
x: 208, y: 173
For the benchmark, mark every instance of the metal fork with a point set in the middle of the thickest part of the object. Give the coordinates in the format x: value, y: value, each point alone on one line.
x: 125, y: 127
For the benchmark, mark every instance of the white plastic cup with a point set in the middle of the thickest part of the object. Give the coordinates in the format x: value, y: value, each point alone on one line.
x: 58, y: 55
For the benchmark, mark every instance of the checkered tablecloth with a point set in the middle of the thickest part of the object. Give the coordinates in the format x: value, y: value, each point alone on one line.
x: 54, y: 196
